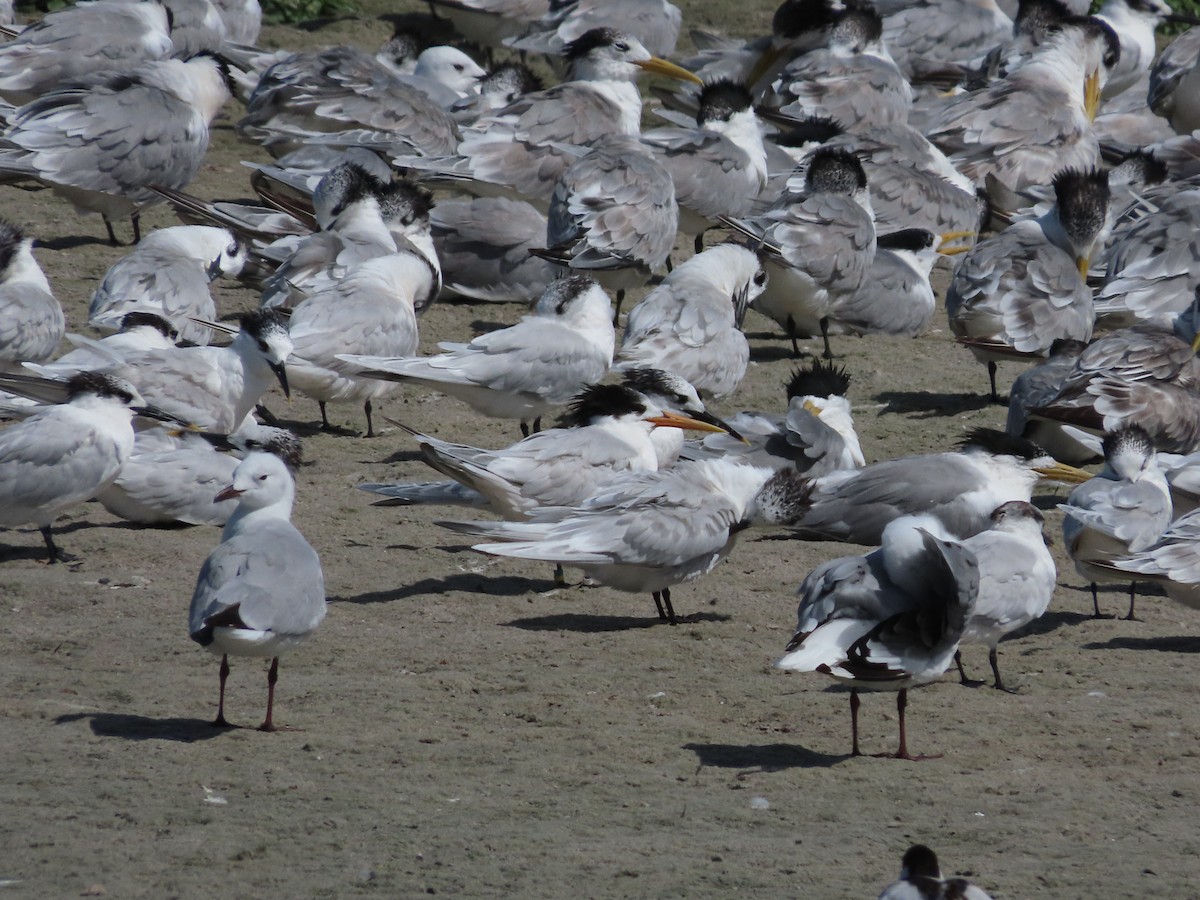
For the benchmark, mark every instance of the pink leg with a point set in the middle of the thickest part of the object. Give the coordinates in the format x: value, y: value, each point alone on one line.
x: 272, y: 677
x: 224, y: 672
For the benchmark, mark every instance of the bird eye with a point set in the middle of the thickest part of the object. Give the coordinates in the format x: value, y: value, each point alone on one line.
x: 262, y: 345
x: 262, y: 477
x: 458, y: 67
x: 621, y: 46
x: 760, y: 278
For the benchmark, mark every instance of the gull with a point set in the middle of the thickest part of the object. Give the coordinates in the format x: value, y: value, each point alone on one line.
x: 171, y: 480
x: 524, y: 147
x: 817, y: 245
x: 242, y: 20
x: 1017, y: 292
x: 342, y: 95
x: 484, y: 247
x: 1172, y: 562
x: 214, y: 387
x: 523, y: 371
x: 1037, y: 121
x: 607, y: 431
x: 32, y: 323
x: 815, y: 436
x: 66, y: 453
x: 719, y: 167
x: 82, y: 40
x: 370, y: 221
x: 1123, y: 510
x: 646, y: 532
x: 371, y: 311
x: 168, y: 274
x: 261, y: 592
x: 959, y: 488
x: 1036, y: 387
x: 690, y: 324
x: 921, y: 879
x: 1144, y: 375
x: 1134, y: 23
x: 103, y: 141
x: 890, y: 620
x: 1016, y: 579
x: 613, y: 215
x: 1175, y: 83
x: 1154, y: 263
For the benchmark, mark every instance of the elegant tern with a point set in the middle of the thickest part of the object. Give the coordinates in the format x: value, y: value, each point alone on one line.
x: 523, y: 371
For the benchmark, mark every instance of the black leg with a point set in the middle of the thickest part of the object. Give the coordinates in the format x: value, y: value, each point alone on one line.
x: 666, y: 596
x: 998, y: 684
x: 524, y: 428
x: 112, y: 235
x: 224, y: 673
x: 620, y: 300
x: 698, y: 243
x: 325, y: 426
x: 854, y: 704
x: 136, y: 221
x: 1096, y: 614
x: 56, y: 555
x: 825, y: 336
x: 991, y: 366
x: 370, y: 426
x: 1132, y: 596
x: 791, y: 333
x: 662, y: 613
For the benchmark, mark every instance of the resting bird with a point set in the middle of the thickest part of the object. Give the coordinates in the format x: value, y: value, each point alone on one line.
x: 921, y: 879
x: 261, y: 591
x: 890, y: 620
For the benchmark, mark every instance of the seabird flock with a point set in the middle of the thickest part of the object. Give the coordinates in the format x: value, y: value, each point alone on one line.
x: 816, y: 175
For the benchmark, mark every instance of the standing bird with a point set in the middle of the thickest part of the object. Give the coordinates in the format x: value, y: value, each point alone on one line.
x: 261, y: 591
x: 818, y: 246
x: 523, y: 371
x: 1016, y: 579
x: 613, y: 215
x: 646, y: 532
x: 1123, y: 510
x: 102, y: 142
x: 890, y: 620
x: 372, y: 310
x: 32, y: 324
x: 66, y: 453
x: 691, y: 323
x: 1016, y: 293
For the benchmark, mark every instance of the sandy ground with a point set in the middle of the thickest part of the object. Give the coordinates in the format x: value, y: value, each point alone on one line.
x: 459, y: 726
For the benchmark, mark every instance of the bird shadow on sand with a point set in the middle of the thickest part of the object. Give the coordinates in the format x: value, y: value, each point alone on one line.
x: 929, y: 404
x: 467, y: 582
x: 1049, y: 622
x: 144, y: 728
x: 76, y: 240
x: 594, y: 624
x: 762, y: 757
x: 1181, y: 644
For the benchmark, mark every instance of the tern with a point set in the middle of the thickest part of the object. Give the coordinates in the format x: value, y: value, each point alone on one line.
x: 523, y: 371
x: 32, y: 323
x: 921, y: 879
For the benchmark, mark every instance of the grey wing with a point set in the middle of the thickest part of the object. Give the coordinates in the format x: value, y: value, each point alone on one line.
x: 847, y: 587
x: 904, y: 196
x: 178, y: 289
x: 272, y: 574
x: 32, y: 324
x: 619, y: 205
x: 856, y: 506
x: 892, y: 299
x: 1134, y: 513
x: 828, y: 236
x: 712, y: 175
x: 816, y: 448
x: 1169, y: 70
x: 116, y: 141
x: 52, y: 461
x: 857, y: 91
x: 484, y: 244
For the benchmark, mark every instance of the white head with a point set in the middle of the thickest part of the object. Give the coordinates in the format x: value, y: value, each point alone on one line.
x: 451, y: 67
x: 261, y: 481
